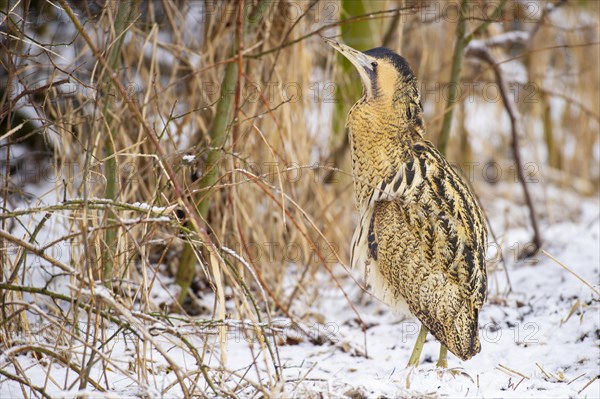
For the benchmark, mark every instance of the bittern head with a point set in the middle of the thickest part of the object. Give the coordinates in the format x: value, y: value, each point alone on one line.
x: 385, y: 75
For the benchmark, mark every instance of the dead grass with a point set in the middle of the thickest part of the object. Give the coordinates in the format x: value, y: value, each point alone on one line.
x: 273, y: 220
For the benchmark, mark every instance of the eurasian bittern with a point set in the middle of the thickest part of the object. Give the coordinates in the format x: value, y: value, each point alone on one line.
x: 422, y: 235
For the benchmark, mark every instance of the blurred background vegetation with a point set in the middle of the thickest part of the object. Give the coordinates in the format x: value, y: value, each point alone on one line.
x: 198, y: 149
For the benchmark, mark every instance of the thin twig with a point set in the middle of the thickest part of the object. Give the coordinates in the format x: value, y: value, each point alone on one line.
x: 481, y: 51
x: 22, y: 381
x: 504, y: 369
x: 588, y: 384
x: 571, y: 271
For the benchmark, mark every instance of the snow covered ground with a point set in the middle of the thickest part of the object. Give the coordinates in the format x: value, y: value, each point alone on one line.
x: 540, y: 340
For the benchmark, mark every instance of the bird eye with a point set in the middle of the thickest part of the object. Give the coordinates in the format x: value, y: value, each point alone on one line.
x: 374, y: 64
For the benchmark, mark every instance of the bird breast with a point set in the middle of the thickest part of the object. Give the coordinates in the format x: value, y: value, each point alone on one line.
x: 375, y: 155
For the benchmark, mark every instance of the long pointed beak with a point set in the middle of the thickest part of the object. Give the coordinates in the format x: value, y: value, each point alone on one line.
x: 357, y: 58
x: 362, y: 62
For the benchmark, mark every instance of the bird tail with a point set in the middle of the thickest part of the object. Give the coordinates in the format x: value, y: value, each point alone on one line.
x: 461, y: 335
x: 467, y: 345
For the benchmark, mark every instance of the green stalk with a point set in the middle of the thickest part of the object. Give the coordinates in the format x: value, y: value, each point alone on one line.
x: 187, y: 266
x: 219, y: 135
x: 459, y: 49
x: 553, y: 154
x: 358, y: 35
x: 454, y: 77
x: 110, y: 237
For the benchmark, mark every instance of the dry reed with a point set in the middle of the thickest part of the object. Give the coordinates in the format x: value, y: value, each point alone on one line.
x: 130, y: 139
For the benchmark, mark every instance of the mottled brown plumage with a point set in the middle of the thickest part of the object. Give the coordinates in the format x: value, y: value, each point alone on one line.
x: 422, y: 235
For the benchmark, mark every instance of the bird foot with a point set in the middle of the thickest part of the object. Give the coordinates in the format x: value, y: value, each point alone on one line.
x: 454, y: 372
x: 417, y: 376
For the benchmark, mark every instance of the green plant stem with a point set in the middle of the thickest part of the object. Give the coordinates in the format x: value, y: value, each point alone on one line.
x: 219, y: 134
x: 459, y: 49
x: 187, y: 266
x: 110, y: 236
x: 495, y: 15
x: 359, y: 36
x: 457, y: 58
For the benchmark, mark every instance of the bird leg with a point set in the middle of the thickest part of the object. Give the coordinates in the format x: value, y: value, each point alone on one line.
x: 443, y: 359
x: 416, y: 353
